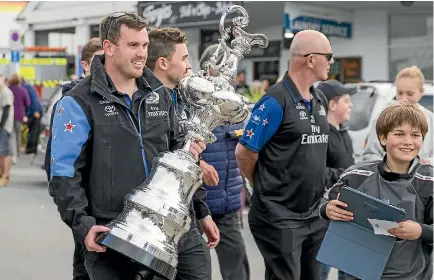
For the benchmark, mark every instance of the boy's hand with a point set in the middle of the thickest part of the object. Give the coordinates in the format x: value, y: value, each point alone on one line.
x: 408, y: 230
x: 336, y: 213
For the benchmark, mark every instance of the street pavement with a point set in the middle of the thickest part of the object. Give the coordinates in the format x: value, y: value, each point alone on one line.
x: 35, y: 244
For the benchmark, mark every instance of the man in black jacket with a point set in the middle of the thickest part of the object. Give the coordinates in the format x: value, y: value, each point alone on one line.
x: 105, y: 133
x: 168, y: 60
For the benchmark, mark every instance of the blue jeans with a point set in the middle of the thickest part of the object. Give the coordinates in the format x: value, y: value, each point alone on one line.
x: 325, y: 269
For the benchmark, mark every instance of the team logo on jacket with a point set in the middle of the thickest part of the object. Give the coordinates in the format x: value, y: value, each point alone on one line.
x: 303, y: 115
x: 153, y: 98
x: 321, y: 111
x: 105, y: 100
x: 256, y: 119
x: 300, y: 106
x: 316, y: 137
x: 110, y: 110
x: 155, y: 111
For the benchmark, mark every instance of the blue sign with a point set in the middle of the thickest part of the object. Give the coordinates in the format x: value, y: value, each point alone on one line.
x: 15, y: 56
x: 326, y: 26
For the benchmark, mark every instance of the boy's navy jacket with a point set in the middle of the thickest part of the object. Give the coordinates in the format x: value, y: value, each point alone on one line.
x: 409, y: 260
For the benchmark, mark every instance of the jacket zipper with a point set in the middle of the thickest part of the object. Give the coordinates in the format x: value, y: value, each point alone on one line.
x: 139, y: 134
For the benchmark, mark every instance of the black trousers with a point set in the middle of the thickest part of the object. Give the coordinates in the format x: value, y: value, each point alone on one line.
x: 79, y: 270
x: 194, y: 262
x: 34, y: 125
x: 290, y: 253
x: 231, y: 252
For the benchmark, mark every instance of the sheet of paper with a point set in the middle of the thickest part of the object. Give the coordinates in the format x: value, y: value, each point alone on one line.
x: 382, y: 226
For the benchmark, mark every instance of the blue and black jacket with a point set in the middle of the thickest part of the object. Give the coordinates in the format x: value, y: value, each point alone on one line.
x: 103, y: 144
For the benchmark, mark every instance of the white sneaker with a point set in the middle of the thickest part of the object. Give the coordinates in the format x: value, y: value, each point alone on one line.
x: 14, y: 159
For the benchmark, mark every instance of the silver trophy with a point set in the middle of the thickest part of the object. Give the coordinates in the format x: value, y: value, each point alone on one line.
x: 156, y: 214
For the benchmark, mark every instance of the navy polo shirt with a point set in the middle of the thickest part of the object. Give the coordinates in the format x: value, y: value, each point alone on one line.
x: 291, y: 135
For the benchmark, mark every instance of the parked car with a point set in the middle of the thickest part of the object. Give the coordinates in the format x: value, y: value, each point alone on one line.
x: 45, y: 127
x: 368, y: 103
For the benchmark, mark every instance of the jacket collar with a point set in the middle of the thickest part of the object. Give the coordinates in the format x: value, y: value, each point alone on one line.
x: 150, y: 77
x: 294, y: 92
x: 101, y: 82
x: 392, y: 176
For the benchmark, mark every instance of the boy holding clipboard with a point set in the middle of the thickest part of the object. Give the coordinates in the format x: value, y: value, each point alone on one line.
x: 400, y: 180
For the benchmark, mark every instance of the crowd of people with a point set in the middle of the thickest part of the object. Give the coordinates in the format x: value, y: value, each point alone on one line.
x: 294, y: 150
x: 20, y: 109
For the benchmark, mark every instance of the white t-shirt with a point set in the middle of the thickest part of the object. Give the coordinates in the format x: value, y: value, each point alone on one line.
x: 7, y: 98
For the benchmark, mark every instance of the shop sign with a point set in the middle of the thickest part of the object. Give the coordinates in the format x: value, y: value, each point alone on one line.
x: 183, y: 13
x: 326, y: 26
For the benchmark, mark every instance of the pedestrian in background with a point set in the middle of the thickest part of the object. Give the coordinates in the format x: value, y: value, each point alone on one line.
x: 409, y: 87
x: 34, y: 114
x: 21, y: 103
x: 224, y: 185
x: 6, y: 128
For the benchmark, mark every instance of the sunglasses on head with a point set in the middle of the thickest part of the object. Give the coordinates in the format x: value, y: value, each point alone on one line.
x: 116, y: 15
x: 329, y: 56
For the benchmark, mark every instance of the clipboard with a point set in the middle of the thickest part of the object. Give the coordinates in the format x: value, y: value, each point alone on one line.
x: 352, y: 247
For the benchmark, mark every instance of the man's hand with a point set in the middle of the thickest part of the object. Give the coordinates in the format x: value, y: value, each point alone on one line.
x: 89, y: 240
x: 336, y: 213
x: 25, y: 119
x: 196, y: 148
x: 211, y: 231
x: 408, y: 230
x: 210, y: 175
x: 36, y: 115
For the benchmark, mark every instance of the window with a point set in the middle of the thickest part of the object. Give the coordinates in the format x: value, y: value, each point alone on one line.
x: 363, y: 102
x: 427, y: 102
x: 411, y: 43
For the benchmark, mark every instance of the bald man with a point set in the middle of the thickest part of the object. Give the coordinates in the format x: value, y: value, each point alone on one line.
x: 283, y: 152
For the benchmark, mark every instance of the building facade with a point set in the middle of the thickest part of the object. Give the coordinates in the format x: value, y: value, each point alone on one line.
x: 370, y: 40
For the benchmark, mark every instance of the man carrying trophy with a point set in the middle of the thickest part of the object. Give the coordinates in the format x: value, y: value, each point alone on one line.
x: 168, y: 60
x: 113, y: 125
x: 106, y: 132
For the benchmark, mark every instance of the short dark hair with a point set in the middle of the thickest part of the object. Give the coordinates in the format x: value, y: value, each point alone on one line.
x: 91, y: 47
x: 110, y: 26
x: 398, y: 114
x: 162, y: 43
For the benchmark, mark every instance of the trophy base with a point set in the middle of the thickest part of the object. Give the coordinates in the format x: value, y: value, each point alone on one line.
x: 138, y: 255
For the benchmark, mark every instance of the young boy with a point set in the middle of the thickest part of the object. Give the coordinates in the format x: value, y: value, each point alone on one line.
x: 403, y: 181
x: 340, y: 146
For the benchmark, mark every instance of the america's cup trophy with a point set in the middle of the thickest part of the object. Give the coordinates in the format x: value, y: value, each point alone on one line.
x: 156, y: 213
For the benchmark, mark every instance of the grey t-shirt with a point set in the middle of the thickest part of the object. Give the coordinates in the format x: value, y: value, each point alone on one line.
x: 7, y: 98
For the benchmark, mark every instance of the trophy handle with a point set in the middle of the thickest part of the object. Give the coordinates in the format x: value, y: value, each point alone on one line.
x: 240, y: 45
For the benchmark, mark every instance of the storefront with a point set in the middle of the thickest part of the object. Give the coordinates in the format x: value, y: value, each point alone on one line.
x: 370, y: 41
